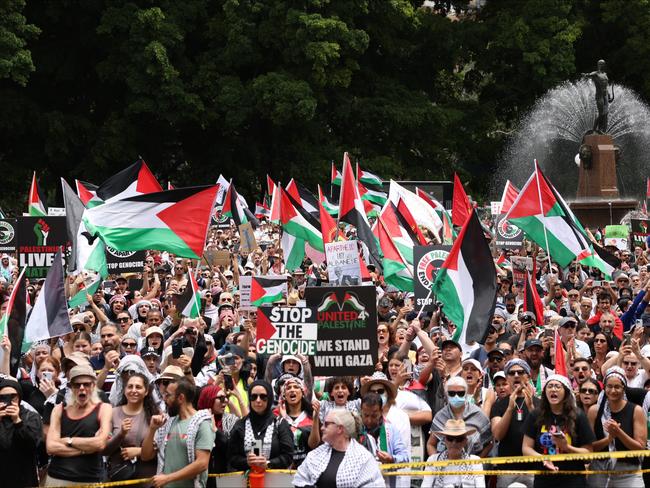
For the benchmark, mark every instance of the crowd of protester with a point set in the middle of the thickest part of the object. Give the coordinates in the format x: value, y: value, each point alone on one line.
x: 139, y: 392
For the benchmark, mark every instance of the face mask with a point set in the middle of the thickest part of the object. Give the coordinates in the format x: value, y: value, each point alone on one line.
x: 456, y: 401
x: 384, y: 398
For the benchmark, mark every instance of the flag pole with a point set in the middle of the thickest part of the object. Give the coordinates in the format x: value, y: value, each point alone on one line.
x: 541, y: 209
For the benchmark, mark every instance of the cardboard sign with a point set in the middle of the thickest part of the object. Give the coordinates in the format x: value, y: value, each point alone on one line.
x: 245, y: 293
x: 343, y: 263
x: 347, y: 330
x: 38, y: 240
x: 217, y: 257
x: 247, y: 240
x: 640, y: 230
x: 8, y: 235
x: 617, y: 235
x: 426, y: 263
x: 521, y: 265
x: 495, y: 208
x: 286, y: 330
x: 507, y: 235
x: 119, y: 262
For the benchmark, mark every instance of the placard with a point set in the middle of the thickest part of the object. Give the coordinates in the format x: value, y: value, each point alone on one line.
x: 343, y: 266
x: 617, y: 235
x: 217, y: 257
x: 521, y: 265
x: 118, y: 262
x: 7, y: 235
x: 507, y: 235
x: 247, y: 241
x: 245, y: 293
x: 640, y: 230
x: 38, y: 240
x: 495, y: 208
x: 286, y: 330
x: 427, y: 260
x: 347, y: 330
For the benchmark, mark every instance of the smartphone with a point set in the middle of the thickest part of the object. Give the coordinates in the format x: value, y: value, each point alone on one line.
x: 229, y: 383
x: 598, y: 283
x: 549, y: 332
x: 409, y: 365
x: 108, y: 285
x: 257, y: 447
x: 558, y: 433
x: 47, y: 375
x: 177, y: 348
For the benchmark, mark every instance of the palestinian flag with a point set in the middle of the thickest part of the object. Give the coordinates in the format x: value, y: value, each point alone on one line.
x: 276, y: 200
x: 366, y: 279
x: 90, y: 286
x: 293, y: 251
x: 175, y: 221
x: 12, y: 323
x: 189, y: 303
x: 467, y: 285
x: 336, y: 176
x: 560, y: 360
x: 368, y: 178
x: 303, y: 197
x: 609, y: 261
x: 170, y: 186
x: 262, y: 210
x: 532, y: 302
x: 352, y: 211
x: 87, y: 252
x: 372, y: 196
x: 270, y: 185
x: 296, y: 222
x: 266, y: 289
x: 406, y: 219
x: 423, y: 213
x: 224, y: 184
x: 49, y: 317
x: 461, y: 208
x: 399, y: 234
x: 36, y: 206
x: 396, y: 270
x: 510, y: 194
x: 502, y: 262
x: 233, y: 206
x: 135, y: 180
x: 330, y: 208
x: 328, y: 227
x: 87, y: 193
x: 553, y: 221
x: 447, y: 233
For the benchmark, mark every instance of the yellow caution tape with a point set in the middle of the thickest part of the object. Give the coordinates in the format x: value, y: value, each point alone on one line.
x: 511, y: 472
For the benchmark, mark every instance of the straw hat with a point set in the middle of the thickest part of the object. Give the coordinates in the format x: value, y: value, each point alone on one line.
x: 379, y: 377
x: 456, y: 428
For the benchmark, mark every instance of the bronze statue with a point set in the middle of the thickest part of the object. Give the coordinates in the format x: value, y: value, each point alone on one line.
x: 601, y: 82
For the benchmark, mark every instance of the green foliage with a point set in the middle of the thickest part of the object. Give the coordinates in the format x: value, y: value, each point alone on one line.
x: 15, y: 59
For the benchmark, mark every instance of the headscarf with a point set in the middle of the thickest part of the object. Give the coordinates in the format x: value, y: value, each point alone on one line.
x: 116, y: 298
x: 206, y: 401
x: 260, y: 421
x: 130, y: 362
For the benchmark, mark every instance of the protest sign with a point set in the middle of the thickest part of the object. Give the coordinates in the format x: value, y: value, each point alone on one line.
x: 520, y: 265
x: 245, y: 293
x: 347, y: 330
x: 37, y: 241
x: 217, y: 257
x: 118, y: 262
x: 343, y: 263
x: 617, y: 235
x: 247, y: 238
x: 56, y: 211
x: 426, y: 262
x: 495, y: 208
x: 8, y: 235
x: 219, y: 220
x: 507, y: 235
x: 286, y: 330
x: 640, y: 230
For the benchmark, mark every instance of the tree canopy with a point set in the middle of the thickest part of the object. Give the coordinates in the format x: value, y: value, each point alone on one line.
x: 246, y: 88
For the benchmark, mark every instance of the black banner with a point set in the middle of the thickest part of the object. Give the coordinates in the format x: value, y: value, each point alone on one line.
x: 639, y: 230
x: 347, y: 330
x: 7, y: 235
x: 37, y: 241
x: 507, y: 235
x: 124, y: 261
x: 426, y: 263
x: 219, y: 220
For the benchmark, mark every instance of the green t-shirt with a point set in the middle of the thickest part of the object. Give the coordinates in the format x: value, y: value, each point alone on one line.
x: 176, y: 450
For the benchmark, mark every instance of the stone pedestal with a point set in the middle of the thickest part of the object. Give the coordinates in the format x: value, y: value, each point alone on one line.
x: 599, y: 180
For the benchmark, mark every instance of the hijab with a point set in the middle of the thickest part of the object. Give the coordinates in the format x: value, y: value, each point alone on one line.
x: 260, y: 421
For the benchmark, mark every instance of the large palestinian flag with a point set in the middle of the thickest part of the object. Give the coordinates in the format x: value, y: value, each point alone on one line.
x: 461, y: 207
x: 306, y: 199
x: 49, y: 317
x: 135, y: 180
x: 467, y: 285
x: 36, y: 205
x: 235, y: 207
x: 175, y: 221
x: 87, y: 193
x: 397, y: 272
x: 299, y: 223
x: 12, y: 323
x: 267, y: 289
x: 189, y: 303
x: 352, y: 211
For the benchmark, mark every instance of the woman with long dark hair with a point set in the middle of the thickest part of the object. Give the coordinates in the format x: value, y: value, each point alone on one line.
x: 601, y: 344
x: 261, y: 440
x: 297, y: 411
x: 558, y: 427
x: 619, y: 425
x: 130, y: 426
x: 588, y: 394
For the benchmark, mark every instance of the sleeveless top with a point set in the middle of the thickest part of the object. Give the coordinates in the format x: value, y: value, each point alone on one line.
x: 625, y: 417
x: 87, y: 468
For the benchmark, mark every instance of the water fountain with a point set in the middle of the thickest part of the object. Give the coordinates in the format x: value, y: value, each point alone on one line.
x: 609, y: 184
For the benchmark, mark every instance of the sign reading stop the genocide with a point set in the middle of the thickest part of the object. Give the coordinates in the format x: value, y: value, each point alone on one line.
x: 286, y: 330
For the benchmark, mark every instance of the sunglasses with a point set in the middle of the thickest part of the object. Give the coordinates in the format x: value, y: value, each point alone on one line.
x: 589, y: 391
x: 221, y: 398
x: 128, y: 344
x: 378, y: 391
x: 516, y: 372
x: 630, y: 363
x: 585, y: 368
x: 165, y: 382
x: 85, y: 384
x: 459, y: 394
x: 8, y: 398
x: 453, y: 438
x: 600, y: 340
x: 569, y: 325
x: 259, y: 396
